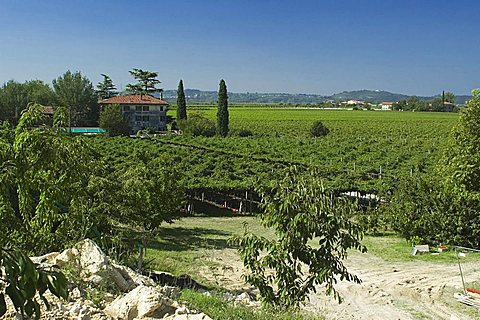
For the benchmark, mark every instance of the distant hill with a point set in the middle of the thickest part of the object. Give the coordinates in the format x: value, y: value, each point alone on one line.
x: 369, y: 96
x: 373, y: 96
x: 195, y: 95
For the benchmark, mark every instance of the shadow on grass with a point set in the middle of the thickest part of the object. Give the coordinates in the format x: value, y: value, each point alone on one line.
x: 203, y: 209
x: 183, y: 239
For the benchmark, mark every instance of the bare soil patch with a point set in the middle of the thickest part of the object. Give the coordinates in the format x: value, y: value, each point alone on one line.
x: 389, y: 290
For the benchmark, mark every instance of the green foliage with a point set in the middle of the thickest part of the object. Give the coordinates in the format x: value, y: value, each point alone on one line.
x: 286, y: 269
x: 181, y: 103
x: 42, y: 173
x: 460, y: 171
x: 76, y: 93
x: 15, y: 96
x: 106, y: 89
x: 461, y: 161
x: 445, y: 206
x: 60, y: 118
x: 243, y: 133
x: 222, y: 112
x: 318, y: 130
x: 147, y: 82
x: 414, y: 209
x: 151, y: 193
x: 54, y: 189
x: 112, y: 120
x: 197, y: 125
x: 22, y: 280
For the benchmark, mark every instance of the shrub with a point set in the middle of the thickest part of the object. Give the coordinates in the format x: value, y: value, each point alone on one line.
x: 242, y: 133
x: 318, y: 129
x: 111, y: 119
x: 197, y: 125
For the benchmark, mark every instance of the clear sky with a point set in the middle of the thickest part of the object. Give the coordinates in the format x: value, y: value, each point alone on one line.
x: 406, y: 46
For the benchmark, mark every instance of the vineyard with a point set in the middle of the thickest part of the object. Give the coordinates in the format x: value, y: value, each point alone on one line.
x: 363, y: 151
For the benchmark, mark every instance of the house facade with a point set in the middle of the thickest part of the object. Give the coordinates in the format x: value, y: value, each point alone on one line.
x: 141, y: 111
x: 387, y: 105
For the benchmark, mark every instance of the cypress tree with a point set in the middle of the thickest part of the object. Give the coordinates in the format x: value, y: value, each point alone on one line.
x: 181, y: 103
x: 222, y: 113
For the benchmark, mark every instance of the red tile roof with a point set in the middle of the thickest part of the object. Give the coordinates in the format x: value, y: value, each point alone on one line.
x: 387, y: 103
x: 133, y: 99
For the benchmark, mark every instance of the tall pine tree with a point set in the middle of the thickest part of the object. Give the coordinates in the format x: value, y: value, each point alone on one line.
x: 222, y: 113
x: 106, y: 89
x: 147, y: 82
x: 181, y: 103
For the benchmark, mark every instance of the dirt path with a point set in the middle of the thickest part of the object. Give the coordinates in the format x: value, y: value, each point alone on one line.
x: 404, y: 290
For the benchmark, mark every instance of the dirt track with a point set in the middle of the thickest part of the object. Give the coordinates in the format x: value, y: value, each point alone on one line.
x: 404, y: 290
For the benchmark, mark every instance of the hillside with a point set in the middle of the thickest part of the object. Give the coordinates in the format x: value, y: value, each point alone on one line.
x: 374, y: 96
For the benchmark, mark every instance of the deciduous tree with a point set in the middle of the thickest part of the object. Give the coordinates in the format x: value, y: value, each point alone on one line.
x: 76, y: 93
x: 287, y: 268
x: 112, y: 120
x: 15, y: 96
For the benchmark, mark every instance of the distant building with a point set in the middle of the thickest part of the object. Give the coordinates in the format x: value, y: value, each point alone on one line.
x: 448, y: 106
x: 387, y: 105
x: 141, y: 111
x: 354, y: 103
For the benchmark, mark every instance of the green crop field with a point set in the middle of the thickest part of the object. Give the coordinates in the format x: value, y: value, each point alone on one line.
x: 365, y: 150
x: 361, y: 146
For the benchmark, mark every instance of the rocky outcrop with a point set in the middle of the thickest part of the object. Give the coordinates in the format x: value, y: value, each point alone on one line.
x: 141, y: 302
x: 142, y: 298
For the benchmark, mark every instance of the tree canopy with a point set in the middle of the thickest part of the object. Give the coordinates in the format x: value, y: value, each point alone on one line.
x: 15, y: 96
x: 112, y: 120
x: 76, y: 93
x: 299, y: 210
x: 106, y: 89
x: 146, y: 82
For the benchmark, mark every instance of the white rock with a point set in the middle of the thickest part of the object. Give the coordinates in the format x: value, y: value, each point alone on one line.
x: 48, y: 258
x: 91, y: 257
x: 75, y: 309
x: 243, y: 297
x: 228, y: 296
x: 132, y: 278
x: 139, y: 303
x: 67, y: 256
x: 182, y: 310
x: 198, y: 316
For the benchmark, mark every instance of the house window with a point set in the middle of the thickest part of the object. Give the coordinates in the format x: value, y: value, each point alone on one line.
x: 162, y: 118
x: 146, y: 118
x: 145, y: 108
x: 138, y: 118
x: 126, y: 108
x: 138, y: 108
x: 161, y: 108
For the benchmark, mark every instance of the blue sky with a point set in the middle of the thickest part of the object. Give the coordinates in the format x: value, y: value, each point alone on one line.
x: 415, y: 47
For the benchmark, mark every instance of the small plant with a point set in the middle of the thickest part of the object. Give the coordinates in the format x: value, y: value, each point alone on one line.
x: 318, y: 129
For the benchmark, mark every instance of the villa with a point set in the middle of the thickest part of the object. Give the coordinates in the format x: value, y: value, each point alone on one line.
x: 141, y: 111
